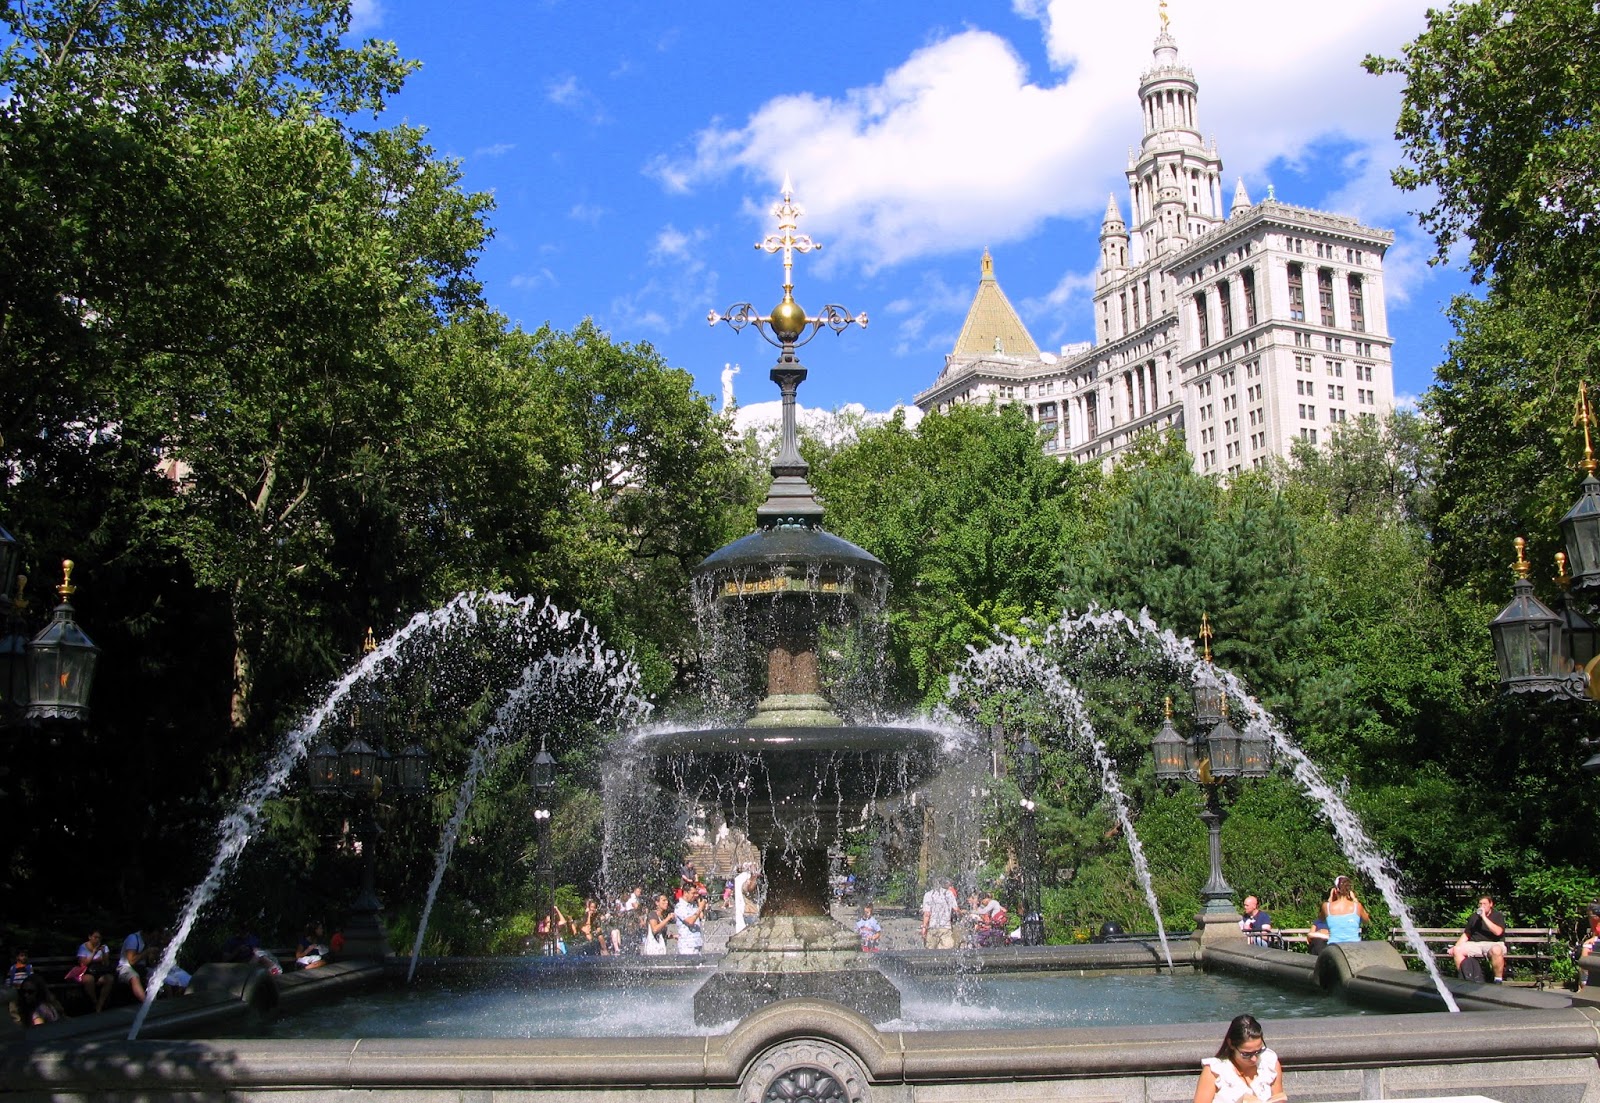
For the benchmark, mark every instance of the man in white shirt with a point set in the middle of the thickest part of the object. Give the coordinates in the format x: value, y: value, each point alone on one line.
x: 690, y: 912
x: 939, y: 909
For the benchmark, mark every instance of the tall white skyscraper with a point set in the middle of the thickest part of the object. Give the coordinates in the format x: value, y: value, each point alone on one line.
x: 1247, y: 325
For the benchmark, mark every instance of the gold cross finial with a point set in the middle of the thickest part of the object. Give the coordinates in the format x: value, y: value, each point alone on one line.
x: 1205, y: 635
x: 1584, y: 417
x: 788, y: 215
x: 66, y: 589
x: 1522, y: 566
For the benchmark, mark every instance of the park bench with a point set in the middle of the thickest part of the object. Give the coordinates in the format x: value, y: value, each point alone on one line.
x: 1529, y: 950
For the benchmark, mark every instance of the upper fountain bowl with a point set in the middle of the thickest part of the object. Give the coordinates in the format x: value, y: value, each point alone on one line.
x: 793, y: 553
x: 852, y: 762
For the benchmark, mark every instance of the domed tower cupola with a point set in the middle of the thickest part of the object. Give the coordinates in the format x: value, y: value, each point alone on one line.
x: 1170, y: 96
x: 1175, y: 182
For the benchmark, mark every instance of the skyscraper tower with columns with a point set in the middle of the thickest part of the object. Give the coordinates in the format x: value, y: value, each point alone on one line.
x: 1247, y: 328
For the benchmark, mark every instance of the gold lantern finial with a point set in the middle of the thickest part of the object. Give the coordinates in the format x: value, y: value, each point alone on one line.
x: 20, y: 602
x: 1585, y: 418
x: 369, y: 645
x: 1169, y: 708
x: 1205, y: 636
x: 1522, y: 566
x: 66, y: 589
x: 1224, y: 706
x: 1563, y: 576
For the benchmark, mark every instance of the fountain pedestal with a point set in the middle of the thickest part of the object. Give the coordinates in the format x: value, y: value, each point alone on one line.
x: 789, y: 956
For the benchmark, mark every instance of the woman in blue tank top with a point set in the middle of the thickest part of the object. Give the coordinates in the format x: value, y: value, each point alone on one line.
x: 1345, y: 913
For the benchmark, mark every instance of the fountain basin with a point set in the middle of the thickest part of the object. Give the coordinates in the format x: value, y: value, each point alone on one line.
x: 1535, y: 1057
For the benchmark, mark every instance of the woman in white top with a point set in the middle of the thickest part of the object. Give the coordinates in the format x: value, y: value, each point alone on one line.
x: 1244, y: 1069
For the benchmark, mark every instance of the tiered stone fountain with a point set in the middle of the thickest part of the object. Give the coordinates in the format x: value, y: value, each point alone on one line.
x: 795, y: 768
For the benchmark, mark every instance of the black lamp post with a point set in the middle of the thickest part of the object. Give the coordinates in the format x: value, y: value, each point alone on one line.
x: 362, y: 772
x: 1027, y: 775
x: 1215, y: 754
x: 542, y: 776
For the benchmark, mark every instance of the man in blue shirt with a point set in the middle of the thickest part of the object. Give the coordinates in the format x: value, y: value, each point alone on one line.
x: 1256, y: 923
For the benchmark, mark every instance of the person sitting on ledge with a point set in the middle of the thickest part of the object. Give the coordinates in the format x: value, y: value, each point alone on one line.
x: 1484, y: 937
x: 1317, y: 936
x: 1244, y: 1069
x: 1256, y: 924
x: 1345, y: 913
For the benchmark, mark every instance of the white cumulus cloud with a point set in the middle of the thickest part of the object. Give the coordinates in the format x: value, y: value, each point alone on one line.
x: 961, y: 145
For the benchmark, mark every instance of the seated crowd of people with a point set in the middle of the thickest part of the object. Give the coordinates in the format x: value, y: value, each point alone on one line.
x: 98, y: 972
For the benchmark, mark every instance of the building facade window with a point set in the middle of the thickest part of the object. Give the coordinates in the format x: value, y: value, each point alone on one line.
x: 1297, y: 293
x: 1201, y: 321
x: 1325, y: 294
x: 1358, y: 311
x: 1225, y: 304
x: 1247, y: 282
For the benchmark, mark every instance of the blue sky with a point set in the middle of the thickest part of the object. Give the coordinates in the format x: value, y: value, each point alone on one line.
x: 633, y: 151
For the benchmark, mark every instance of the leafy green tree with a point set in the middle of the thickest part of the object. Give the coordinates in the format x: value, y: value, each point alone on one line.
x: 972, y: 520
x: 1500, y: 121
x: 1181, y: 545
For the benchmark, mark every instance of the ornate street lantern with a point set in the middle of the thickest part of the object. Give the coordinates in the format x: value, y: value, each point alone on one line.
x: 1174, y: 754
x: 358, y: 765
x: 323, y: 765
x: 14, y: 680
x: 1580, y: 528
x: 1255, y: 752
x: 61, y: 662
x: 411, y: 771
x: 1225, y: 749
x: 1580, y: 640
x: 1207, y: 686
x: 1527, y: 639
x: 543, y: 772
x: 1027, y: 767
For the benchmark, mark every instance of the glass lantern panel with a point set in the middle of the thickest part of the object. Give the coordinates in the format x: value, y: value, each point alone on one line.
x: 323, y: 762
x: 1226, y: 757
x: 1174, y: 755
x: 1255, y: 755
x: 358, y: 764
x: 544, y: 770
x: 1578, y: 638
x: 413, y: 769
x: 1207, y: 698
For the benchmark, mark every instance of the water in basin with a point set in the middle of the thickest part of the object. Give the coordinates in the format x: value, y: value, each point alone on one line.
x: 514, y: 1002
